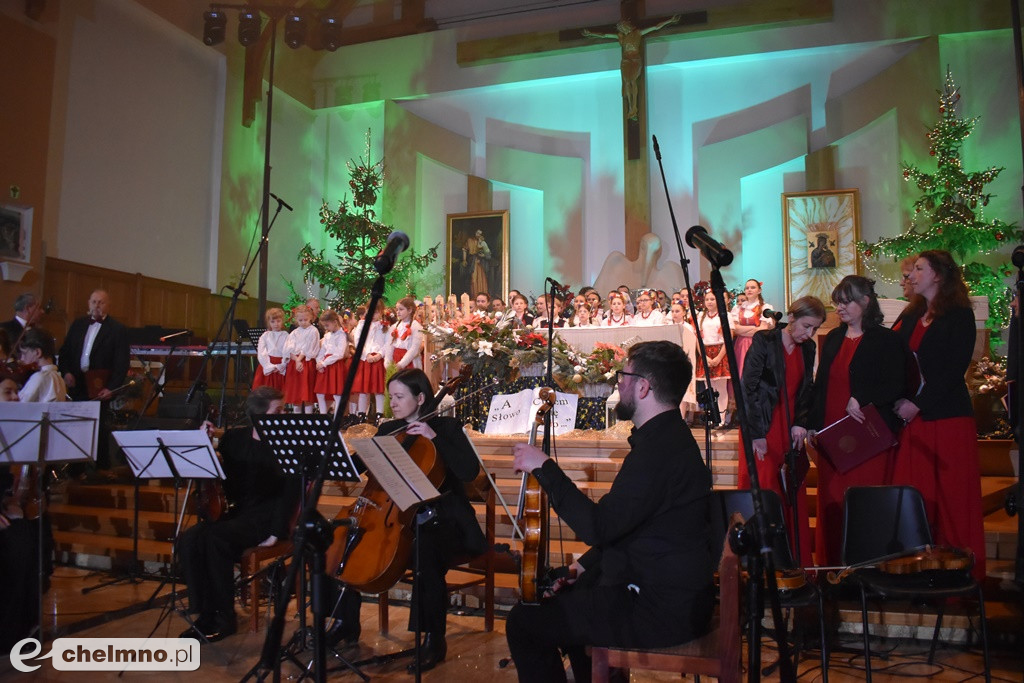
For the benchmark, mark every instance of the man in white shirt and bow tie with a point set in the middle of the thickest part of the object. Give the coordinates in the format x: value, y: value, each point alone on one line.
x: 95, y: 355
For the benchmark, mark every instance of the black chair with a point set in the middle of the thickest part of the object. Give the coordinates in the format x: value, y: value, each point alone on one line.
x: 723, y: 505
x: 883, y: 521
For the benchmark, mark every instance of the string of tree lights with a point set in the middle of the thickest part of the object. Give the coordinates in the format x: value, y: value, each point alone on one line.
x: 949, y: 213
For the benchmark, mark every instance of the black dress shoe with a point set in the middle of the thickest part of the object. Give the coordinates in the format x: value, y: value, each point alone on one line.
x: 221, y: 633
x: 200, y: 628
x: 341, y: 632
x: 432, y: 652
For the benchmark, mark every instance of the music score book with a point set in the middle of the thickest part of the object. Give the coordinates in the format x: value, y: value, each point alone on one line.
x: 847, y: 443
x: 396, y: 472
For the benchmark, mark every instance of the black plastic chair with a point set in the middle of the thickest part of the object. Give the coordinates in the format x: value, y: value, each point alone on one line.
x: 723, y: 505
x: 883, y: 521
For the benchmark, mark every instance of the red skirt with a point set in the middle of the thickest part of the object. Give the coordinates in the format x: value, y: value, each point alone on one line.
x: 331, y: 381
x: 940, y: 459
x: 275, y: 380
x: 298, y: 386
x: 717, y: 372
x: 369, y: 378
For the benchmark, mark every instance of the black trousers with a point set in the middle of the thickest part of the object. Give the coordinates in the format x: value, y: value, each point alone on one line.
x: 440, y: 544
x: 207, y: 553
x: 19, y: 577
x: 599, y: 615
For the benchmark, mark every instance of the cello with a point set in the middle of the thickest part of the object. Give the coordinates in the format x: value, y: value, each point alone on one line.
x: 373, y: 554
x: 533, y: 518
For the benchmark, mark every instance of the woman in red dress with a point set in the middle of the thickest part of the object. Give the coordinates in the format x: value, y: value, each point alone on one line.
x: 938, y: 452
x: 779, y: 368
x: 862, y: 362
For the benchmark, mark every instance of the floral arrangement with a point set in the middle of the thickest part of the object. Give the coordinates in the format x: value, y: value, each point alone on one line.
x: 485, y: 344
x: 597, y: 367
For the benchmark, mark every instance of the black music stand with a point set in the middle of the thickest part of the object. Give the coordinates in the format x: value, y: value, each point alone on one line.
x: 38, y: 433
x: 254, y: 334
x: 407, y: 486
x: 170, y: 454
x: 298, y: 442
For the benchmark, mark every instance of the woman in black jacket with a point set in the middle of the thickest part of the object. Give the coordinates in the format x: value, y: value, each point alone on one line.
x: 862, y: 363
x: 938, y: 452
x: 780, y: 363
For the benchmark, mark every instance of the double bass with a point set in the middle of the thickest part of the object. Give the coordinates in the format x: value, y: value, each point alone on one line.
x: 374, y: 552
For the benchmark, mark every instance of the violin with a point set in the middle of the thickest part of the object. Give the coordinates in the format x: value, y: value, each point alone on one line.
x: 373, y: 554
x: 533, y: 518
x: 914, y: 561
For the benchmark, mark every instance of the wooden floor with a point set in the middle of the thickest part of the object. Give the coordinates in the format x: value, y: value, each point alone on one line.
x: 473, y: 655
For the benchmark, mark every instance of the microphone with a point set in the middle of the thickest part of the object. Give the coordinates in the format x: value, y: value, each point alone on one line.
x: 344, y: 521
x: 557, y: 285
x: 176, y: 334
x: 1017, y: 258
x: 281, y: 201
x: 397, y: 242
x: 698, y: 238
x: 772, y: 315
x: 657, y: 150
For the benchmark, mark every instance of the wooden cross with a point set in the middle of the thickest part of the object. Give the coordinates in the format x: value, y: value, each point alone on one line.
x: 636, y: 141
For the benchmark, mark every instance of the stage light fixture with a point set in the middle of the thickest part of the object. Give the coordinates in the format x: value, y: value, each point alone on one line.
x: 249, y: 26
x: 295, y: 28
x: 330, y: 33
x: 215, y: 25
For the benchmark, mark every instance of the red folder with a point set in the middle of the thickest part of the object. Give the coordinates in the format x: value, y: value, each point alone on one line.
x: 847, y: 443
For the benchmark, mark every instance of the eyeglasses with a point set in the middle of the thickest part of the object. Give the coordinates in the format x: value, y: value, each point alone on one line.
x: 620, y: 373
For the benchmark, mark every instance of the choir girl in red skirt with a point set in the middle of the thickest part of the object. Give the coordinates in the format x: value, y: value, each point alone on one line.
x: 331, y: 362
x: 370, y: 376
x: 405, y: 341
x: 302, y: 348
x: 270, y: 355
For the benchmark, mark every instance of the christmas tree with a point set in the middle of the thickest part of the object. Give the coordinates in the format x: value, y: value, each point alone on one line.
x: 346, y: 278
x: 949, y: 214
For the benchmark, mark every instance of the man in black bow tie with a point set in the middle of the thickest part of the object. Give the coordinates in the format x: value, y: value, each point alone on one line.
x: 26, y: 312
x: 95, y: 355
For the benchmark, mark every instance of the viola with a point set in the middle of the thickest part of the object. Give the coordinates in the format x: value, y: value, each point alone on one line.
x: 211, y: 503
x: 533, y: 518
x: 373, y: 553
x: 914, y: 561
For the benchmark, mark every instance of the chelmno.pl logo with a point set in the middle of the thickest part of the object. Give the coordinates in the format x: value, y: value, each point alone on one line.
x: 109, y: 654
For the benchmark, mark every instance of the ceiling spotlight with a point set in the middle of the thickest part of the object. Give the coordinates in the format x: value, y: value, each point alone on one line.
x: 295, y: 30
x: 214, y: 26
x: 330, y: 33
x: 249, y: 26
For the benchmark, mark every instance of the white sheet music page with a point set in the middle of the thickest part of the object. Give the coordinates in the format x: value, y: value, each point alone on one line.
x: 396, y: 472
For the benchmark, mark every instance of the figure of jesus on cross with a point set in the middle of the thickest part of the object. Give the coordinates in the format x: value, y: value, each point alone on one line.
x: 631, y: 39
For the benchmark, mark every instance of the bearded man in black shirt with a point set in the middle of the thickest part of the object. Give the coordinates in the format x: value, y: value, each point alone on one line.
x: 647, y: 579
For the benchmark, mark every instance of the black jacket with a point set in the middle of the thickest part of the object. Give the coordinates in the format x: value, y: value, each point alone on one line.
x: 943, y: 358
x: 877, y: 373
x: 764, y: 370
x: 13, y: 328
x: 651, y: 528
x: 461, y: 467
x: 254, y: 484
x: 110, y: 351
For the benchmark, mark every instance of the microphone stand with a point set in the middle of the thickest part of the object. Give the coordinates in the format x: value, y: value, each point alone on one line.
x: 706, y: 396
x: 198, y: 384
x: 762, y: 561
x: 309, y: 530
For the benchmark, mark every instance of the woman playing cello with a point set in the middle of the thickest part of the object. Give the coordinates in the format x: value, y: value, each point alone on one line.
x: 454, y: 531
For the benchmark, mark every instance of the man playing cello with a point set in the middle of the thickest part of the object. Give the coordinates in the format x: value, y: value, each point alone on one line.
x: 647, y: 579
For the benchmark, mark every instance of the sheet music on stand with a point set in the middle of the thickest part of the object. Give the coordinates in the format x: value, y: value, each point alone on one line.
x: 73, y: 429
x: 254, y: 334
x: 190, y: 454
x: 299, y: 441
x: 395, y: 471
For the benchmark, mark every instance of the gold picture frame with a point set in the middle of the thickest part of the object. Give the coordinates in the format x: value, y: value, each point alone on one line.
x: 477, y: 254
x: 820, y: 233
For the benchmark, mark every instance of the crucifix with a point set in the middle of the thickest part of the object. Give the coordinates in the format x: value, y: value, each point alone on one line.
x: 630, y: 34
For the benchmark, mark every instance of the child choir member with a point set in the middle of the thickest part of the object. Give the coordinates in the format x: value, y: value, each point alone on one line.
x: 746, y: 319
x: 617, y: 316
x: 519, y: 307
x: 370, y: 376
x: 332, y: 362
x: 646, y: 314
x: 709, y: 327
x: 270, y: 353
x: 405, y: 343
x: 302, y: 348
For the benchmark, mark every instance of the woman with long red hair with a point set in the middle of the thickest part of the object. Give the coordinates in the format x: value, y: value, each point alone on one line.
x: 938, y: 452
